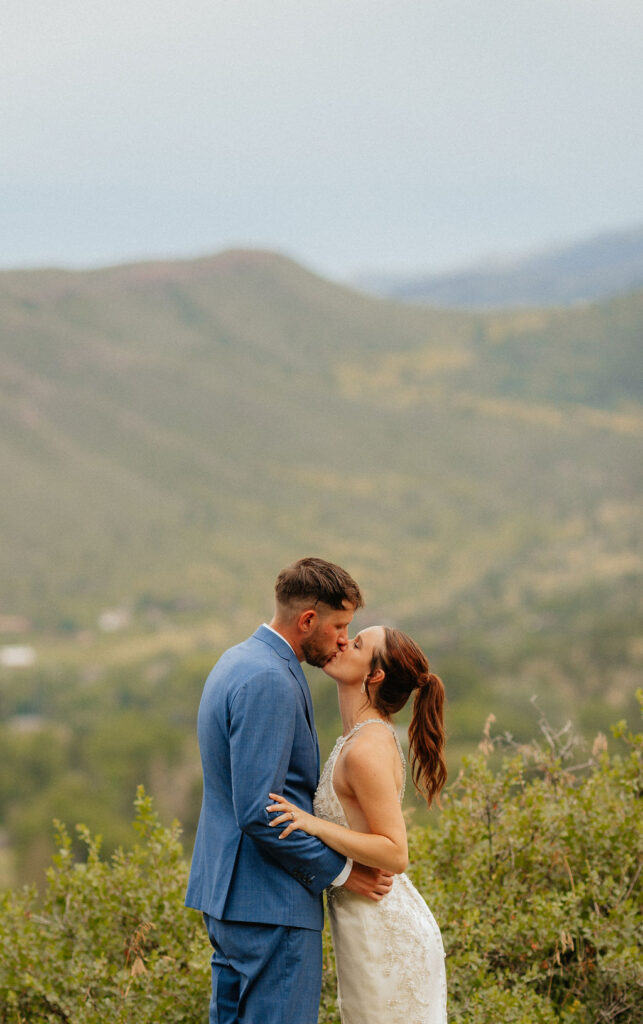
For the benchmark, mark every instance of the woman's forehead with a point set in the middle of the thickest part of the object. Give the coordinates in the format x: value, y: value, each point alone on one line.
x: 372, y: 634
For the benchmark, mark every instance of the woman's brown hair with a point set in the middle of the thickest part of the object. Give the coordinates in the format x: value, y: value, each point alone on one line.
x: 406, y: 668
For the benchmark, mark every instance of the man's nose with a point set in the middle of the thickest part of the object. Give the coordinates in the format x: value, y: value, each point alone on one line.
x: 342, y: 641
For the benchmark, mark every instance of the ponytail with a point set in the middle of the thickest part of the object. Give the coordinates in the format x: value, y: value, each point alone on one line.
x: 426, y: 738
x: 406, y: 669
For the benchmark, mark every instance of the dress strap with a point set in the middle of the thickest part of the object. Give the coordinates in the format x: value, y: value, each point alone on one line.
x: 369, y: 721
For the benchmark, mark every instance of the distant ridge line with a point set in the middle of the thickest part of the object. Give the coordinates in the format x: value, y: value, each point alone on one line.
x: 605, y: 265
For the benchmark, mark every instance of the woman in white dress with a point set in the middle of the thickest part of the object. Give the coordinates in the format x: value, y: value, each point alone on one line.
x: 389, y: 954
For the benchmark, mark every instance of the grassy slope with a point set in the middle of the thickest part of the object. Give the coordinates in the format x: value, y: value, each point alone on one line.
x: 172, y: 433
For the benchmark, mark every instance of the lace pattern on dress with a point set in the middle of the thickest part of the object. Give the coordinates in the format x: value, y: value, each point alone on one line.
x: 326, y: 801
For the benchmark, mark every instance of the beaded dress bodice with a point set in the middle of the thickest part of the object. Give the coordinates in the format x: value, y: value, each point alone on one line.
x: 326, y: 802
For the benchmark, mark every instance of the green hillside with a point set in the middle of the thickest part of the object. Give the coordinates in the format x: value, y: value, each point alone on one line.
x: 165, y: 426
x: 172, y: 434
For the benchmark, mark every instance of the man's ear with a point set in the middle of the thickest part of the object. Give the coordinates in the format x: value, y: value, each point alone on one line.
x: 307, y: 620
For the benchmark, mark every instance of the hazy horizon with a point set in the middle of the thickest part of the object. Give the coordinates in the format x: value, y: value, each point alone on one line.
x: 397, y: 137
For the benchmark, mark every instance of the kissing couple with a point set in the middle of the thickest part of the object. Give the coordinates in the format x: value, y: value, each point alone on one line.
x: 272, y: 834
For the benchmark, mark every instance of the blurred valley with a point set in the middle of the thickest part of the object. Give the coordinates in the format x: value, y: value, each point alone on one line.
x: 172, y: 434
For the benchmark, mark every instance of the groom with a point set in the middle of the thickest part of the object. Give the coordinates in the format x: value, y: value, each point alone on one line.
x: 261, y: 897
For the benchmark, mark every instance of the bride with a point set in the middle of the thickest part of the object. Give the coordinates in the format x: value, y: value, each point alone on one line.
x: 389, y: 955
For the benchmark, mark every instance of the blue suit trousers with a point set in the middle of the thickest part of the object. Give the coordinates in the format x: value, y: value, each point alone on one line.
x: 264, y: 973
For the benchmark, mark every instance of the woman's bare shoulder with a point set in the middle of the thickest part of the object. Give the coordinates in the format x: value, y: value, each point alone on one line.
x: 371, y: 744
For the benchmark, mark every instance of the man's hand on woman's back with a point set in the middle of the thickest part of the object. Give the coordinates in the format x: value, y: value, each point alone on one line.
x: 369, y: 882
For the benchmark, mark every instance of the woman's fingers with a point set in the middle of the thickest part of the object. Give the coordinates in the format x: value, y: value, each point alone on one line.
x: 286, y: 812
x: 283, y: 808
x: 281, y: 819
x: 279, y: 804
x: 287, y: 831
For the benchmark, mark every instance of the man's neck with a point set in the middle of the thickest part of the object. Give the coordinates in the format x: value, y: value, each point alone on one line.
x: 288, y: 634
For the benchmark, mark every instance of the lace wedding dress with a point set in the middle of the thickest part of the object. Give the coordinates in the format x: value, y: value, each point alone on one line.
x: 389, y: 955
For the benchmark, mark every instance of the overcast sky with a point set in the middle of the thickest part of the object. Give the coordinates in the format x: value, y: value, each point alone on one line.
x: 392, y: 134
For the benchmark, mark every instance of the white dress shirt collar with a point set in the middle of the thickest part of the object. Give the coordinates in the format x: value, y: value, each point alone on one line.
x: 281, y: 637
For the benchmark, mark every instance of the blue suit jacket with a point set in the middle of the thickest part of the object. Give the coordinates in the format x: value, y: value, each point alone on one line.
x: 256, y: 736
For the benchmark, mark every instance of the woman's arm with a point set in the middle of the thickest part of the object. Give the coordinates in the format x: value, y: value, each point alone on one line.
x: 371, y: 779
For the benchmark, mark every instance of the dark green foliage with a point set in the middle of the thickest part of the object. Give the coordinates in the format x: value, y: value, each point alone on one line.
x: 93, y: 747
x: 95, y: 742
x: 109, y: 942
x: 533, y: 873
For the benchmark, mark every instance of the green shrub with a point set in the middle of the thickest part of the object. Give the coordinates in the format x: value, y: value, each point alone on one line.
x: 532, y: 873
x: 108, y: 942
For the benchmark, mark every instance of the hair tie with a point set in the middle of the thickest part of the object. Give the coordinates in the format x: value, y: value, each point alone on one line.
x: 423, y: 680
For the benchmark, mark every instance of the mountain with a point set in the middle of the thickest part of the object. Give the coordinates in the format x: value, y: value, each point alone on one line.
x: 606, y: 265
x: 173, y: 433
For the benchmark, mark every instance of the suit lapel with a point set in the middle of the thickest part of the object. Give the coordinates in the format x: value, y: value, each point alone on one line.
x: 298, y: 672
x: 285, y: 651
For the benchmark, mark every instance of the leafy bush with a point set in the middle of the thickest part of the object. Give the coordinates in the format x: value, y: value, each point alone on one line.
x: 532, y: 873
x: 108, y: 942
x: 532, y: 876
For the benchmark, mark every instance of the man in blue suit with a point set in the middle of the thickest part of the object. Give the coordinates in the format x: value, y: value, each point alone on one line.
x: 261, y: 897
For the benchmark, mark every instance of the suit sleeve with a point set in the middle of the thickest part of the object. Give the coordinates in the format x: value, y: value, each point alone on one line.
x: 262, y: 730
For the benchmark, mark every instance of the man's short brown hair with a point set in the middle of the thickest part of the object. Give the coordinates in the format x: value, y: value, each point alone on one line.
x: 317, y: 581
